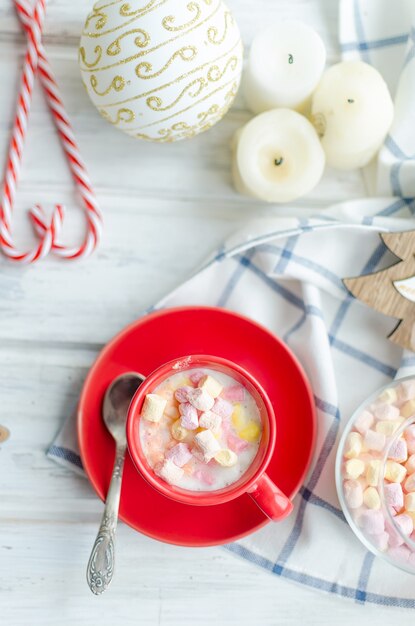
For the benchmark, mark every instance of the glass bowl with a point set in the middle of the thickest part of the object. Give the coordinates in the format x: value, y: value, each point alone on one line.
x: 368, y: 489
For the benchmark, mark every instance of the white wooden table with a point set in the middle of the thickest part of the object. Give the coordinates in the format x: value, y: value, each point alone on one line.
x: 166, y: 207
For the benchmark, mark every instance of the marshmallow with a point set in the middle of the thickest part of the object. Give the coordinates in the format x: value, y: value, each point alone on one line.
x: 207, y: 444
x: 410, y: 502
x: 353, y: 447
x: 372, y: 472
x: 389, y: 396
x: 170, y: 472
x: 364, y: 422
x: 381, y: 541
x: 210, y: 385
x: 251, y: 432
x: 410, y: 482
x: 238, y: 417
x: 196, y: 376
x: 210, y: 421
x: 411, y: 446
x: 354, y: 468
x: 408, y: 409
x: 371, y: 498
x: 401, y: 553
x: 353, y: 493
x: 406, y: 390
x: 234, y: 393
x: 388, y: 427
x: 200, y: 399
x: 398, y: 451
x: 394, y: 537
x: 204, y: 476
x: 172, y: 412
x: 409, y: 432
x: 393, y: 495
x: 189, y: 417
x: 182, y: 393
x: 386, y: 411
x: 178, y: 431
x: 235, y: 443
x: 410, y: 466
x: 223, y: 408
x: 394, y: 471
x: 372, y: 522
x: 226, y: 458
x: 374, y: 440
x: 405, y: 523
x: 179, y: 454
x: 153, y: 407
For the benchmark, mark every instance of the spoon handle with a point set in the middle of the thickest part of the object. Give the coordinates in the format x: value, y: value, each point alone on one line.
x: 100, y: 568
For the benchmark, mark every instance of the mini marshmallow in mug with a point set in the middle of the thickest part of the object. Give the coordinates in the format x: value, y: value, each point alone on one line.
x: 285, y: 64
x: 277, y: 157
x: 352, y: 111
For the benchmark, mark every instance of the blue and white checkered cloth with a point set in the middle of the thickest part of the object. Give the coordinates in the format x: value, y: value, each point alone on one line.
x: 286, y: 274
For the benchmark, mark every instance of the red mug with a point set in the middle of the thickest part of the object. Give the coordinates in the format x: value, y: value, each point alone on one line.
x: 255, y: 482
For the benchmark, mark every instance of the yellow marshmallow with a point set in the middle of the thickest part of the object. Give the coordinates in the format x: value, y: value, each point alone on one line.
x: 388, y: 427
x: 395, y: 472
x: 226, y: 458
x: 372, y: 473
x: 210, y: 385
x: 178, y: 432
x: 354, y: 444
x: 371, y: 498
x: 408, y: 409
x: 239, y: 419
x: 354, y: 468
x: 410, y: 502
x: 389, y: 396
x: 172, y: 412
x: 251, y: 432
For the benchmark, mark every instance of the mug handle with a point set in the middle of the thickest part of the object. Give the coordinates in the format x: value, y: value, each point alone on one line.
x: 271, y: 500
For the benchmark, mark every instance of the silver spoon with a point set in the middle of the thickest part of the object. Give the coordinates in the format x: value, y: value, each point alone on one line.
x: 117, y: 399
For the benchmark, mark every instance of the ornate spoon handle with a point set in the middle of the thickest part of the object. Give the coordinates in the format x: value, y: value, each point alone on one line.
x: 100, y: 568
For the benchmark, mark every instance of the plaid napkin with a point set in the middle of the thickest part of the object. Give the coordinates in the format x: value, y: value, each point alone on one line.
x: 285, y: 273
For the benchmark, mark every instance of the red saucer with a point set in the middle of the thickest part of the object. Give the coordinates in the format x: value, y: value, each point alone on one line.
x: 169, y: 334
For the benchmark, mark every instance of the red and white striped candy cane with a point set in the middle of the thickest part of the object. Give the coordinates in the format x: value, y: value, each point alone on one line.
x: 48, y: 231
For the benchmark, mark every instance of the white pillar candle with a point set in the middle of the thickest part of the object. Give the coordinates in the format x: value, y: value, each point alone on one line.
x: 285, y: 64
x: 277, y: 156
x: 352, y: 111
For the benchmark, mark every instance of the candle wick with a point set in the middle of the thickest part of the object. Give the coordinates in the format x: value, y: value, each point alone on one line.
x: 278, y: 161
x: 290, y: 59
x: 350, y: 100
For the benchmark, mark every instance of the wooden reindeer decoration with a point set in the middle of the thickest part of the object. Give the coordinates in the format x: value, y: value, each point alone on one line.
x: 392, y: 291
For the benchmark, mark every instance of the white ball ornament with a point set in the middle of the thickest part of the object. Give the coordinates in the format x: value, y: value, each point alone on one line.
x: 161, y: 70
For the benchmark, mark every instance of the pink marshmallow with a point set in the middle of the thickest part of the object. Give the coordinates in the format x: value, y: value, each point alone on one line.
x: 409, y: 432
x: 235, y: 444
x: 189, y: 419
x: 372, y: 522
x: 381, y: 541
x: 234, y: 393
x: 398, y: 451
x: 196, y: 376
x: 411, y: 445
x: 395, y: 539
x: 204, y: 477
x: 222, y: 408
x: 179, y: 454
x: 400, y: 553
x: 386, y: 411
x: 405, y: 523
x: 374, y: 440
x: 393, y: 495
x: 200, y: 399
x: 406, y: 391
x: 182, y: 393
x: 410, y: 464
x: 364, y: 422
x: 410, y: 483
x: 353, y: 493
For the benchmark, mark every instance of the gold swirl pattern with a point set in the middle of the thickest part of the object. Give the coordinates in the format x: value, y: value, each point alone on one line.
x: 169, y: 20
x: 214, y: 74
x: 123, y: 115
x: 124, y: 24
x: 213, y: 32
x: 82, y: 55
x: 141, y: 41
x: 117, y: 84
x: 156, y: 104
x: 187, y: 53
x: 127, y: 11
x: 101, y: 18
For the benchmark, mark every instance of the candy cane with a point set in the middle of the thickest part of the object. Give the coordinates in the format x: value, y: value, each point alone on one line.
x: 48, y: 232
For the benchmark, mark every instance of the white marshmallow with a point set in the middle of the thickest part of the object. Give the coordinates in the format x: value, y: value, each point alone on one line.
x: 200, y: 399
x: 153, y: 407
x: 208, y: 444
x: 210, y: 421
x: 389, y: 396
x: 170, y: 472
x: 227, y: 458
x: 353, y: 445
x: 372, y: 473
x: 210, y: 385
x: 354, y: 468
x: 374, y: 440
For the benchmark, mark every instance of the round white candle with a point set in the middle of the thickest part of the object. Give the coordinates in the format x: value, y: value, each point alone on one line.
x: 352, y: 110
x: 285, y: 64
x: 277, y: 156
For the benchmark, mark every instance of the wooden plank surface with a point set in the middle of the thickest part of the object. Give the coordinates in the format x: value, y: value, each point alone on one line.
x: 166, y: 208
